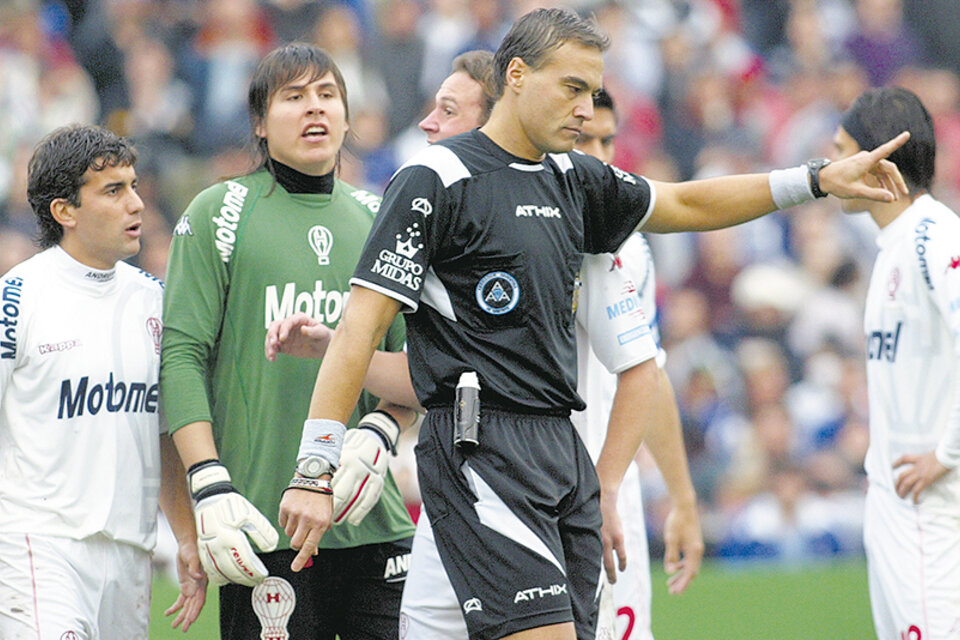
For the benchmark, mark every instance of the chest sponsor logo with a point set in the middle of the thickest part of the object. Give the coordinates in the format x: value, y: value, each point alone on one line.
x: 534, y: 593
x: 367, y: 199
x: 273, y: 600
x: 183, y: 226
x: 9, y: 317
x: 421, y: 205
x: 893, y: 283
x: 323, y: 306
x: 920, y: 240
x: 321, y: 241
x: 535, y: 211
x: 882, y: 345
x: 155, y: 331
x: 56, y: 347
x: 473, y: 604
x: 396, y: 567
x: 114, y: 396
x: 398, y: 265
x: 226, y: 223
x: 498, y: 293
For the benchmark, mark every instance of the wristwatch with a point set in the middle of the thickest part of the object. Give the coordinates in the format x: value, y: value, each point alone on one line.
x: 813, y: 170
x: 314, y: 467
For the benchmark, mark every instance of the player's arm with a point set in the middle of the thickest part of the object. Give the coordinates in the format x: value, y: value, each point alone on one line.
x: 683, y: 539
x: 302, y: 336
x: 175, y: 504
x: 715, y: 203
x: 304, y: 514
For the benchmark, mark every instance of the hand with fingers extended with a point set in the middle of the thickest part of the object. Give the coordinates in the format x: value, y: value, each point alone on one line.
x: 225, y: 521
x: 193, y: 587
x: 612, y: 533
x: 683, y: 547
x: 921, y: 471
x: 299, y: 335
x: 847, y: 178
x: 305, y: 516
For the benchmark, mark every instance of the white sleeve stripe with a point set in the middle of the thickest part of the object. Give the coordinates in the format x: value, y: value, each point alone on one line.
x: 653, y: 202
x: 436, y: 296
x: 442, y: 161
x: 409, y: 303
x: 563, y: 161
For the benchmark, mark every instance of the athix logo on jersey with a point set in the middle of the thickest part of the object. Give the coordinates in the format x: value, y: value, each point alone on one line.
x: 226, y: 233
x: 321, y: 241
x: 115, y: 396
x: 920, y: 240
x: 12, y: 288
x: 532, y: 210
x: 323, y: 306
x: 883, y: 344
x: 473, y: 604
x: 183, y: 226
x: 155, y: 330
x: 498, y: 293
x: 893, y: 282
x: 421, y: 205
x: 273, y: 601
x: 396, y: 568
x: 525, y: 595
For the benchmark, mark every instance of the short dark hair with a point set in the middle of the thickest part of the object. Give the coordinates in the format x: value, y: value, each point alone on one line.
x: 538, y: 33
x: 603, y: 100
x: 878, y: 115
x: 279, y: 68
x: 478, y: 64
x: 56, y: 170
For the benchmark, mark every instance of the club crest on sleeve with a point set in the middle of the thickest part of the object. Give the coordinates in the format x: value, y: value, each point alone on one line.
x: 155, y: 330
x: 498, y: 292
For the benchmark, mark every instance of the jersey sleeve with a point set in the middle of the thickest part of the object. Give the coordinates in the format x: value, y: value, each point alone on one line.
x: 615, y: 203
x: 406, y: 234
x: 610, y: 311
x: 13, y: 325
x: 196, y: 288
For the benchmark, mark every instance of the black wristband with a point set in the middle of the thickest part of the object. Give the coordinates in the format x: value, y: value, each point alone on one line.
x: 813, y: 171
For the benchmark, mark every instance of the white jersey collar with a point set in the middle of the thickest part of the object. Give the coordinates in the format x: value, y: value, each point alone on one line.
x: 903, y: 222
x: 89, y: 278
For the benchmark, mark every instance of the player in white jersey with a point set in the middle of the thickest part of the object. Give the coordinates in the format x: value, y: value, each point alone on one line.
x: 616, y: 309
x: 81, y: 463
x: 912, y: 326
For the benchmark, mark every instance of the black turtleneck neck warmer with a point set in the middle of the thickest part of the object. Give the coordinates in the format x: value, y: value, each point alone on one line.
x: 295, y: 182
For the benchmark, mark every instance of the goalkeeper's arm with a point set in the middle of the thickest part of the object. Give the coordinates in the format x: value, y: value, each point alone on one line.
x: 225, y: 519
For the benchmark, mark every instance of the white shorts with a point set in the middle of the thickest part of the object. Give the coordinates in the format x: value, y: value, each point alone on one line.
x: 54, y: 588
x: 913, y: 567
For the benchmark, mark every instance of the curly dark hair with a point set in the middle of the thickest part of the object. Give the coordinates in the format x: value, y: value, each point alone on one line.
x: 59, y: 164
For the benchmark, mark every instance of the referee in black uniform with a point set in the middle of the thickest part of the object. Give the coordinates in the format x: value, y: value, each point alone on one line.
x: 479, y: 240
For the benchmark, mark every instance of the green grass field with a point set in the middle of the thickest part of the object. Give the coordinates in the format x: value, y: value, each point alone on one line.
x: 753, y: 602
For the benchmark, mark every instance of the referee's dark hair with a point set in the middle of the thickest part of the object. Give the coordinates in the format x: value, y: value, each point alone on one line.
x: 880, y: 114
x: 279, y: 68
x: 58, y: 166
x: 538, y: 33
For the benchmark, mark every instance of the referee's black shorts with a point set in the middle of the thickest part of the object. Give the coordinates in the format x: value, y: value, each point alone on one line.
x: 516, y: 523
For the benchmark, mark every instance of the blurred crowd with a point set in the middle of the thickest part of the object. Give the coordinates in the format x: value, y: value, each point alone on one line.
x: 762, y: 323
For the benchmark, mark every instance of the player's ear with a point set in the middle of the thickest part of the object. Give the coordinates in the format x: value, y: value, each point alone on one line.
x: 64, y: 213
x: 517, y: 71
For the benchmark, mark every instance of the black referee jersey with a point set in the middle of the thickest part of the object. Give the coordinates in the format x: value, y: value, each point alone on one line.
x: 482, y: 249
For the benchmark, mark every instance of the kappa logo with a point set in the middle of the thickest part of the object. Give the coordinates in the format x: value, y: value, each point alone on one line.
x: 183, y: 226
x: 321, y: 241
x: 273, y: 601
x: 155, y: 330
x: 405, y: 247
x: 498, y: 293
x: 473, y: 604
x: 421, y: 205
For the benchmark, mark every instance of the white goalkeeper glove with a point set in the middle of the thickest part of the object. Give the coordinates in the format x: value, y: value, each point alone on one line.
x: 224, y: 520
x: 358, y: 482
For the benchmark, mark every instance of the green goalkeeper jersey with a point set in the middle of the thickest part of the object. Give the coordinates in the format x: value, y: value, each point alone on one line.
x: 245, y: 253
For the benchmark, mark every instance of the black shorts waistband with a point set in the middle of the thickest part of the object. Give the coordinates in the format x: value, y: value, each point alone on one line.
x: 487, y: 407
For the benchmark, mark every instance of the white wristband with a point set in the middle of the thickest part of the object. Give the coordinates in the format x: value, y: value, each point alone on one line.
x: 322, y: 438
x: 790, y: 187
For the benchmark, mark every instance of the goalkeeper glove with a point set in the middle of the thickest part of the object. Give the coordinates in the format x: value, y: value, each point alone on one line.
x: 224, y: 520
x: 358, y: 483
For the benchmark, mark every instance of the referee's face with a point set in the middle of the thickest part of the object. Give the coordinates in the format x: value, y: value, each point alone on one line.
x: 555, y: 100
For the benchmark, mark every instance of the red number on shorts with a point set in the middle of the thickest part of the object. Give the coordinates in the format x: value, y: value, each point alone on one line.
x: 913, y: 633
x: 631, y: 620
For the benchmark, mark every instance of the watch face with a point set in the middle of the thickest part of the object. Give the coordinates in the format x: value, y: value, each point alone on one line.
x: 313, y: 467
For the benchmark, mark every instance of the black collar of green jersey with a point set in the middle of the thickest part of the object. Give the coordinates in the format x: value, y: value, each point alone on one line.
x: 295, y: 182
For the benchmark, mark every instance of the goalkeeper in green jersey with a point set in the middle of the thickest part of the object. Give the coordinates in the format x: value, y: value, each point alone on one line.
x: 247, y: 251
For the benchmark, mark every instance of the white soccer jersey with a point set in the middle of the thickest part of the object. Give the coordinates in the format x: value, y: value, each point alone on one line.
x: 912, y: 323
x: 79, y: 368
x: 616, y: 312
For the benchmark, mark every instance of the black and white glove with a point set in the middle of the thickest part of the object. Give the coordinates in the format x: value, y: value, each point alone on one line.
x: 358, y: 482
x: 224, y: 521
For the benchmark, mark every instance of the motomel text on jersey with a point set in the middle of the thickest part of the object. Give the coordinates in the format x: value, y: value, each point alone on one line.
x: 226, y: 234
x: 113, y: 396
x: 324, y: 306
x: 883, y: 344
x: 12, y: 288
x: 920, y: 240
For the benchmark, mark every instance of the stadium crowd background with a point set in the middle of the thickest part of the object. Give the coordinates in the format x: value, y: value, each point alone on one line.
x: 762, y: 323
